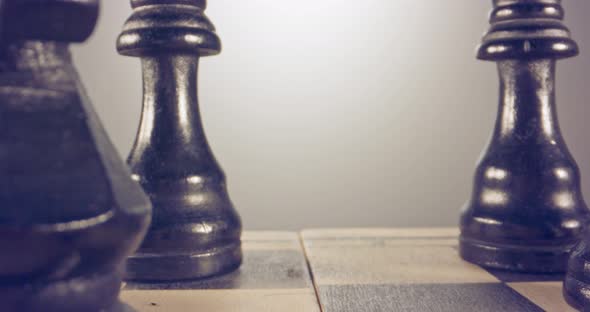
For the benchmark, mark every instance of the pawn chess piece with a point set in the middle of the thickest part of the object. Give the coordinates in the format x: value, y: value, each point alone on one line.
x: 69, y: 212
x: 195, y: 230
x: 526, y: 211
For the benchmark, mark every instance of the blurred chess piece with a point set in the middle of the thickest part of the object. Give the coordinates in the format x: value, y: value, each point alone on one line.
x: 69, y: 212
x: 195, y: 231
x: 576, y: 287
x: 526, y: 212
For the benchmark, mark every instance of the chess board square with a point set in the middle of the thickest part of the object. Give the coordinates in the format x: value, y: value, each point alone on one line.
x: 261, y: 269
x: 388, y: 257
x: 273, y: 277
x: 424, y: 297
x: 547, y: 295
x: 222, y: 300
x: 341, y: 233
x: 511, y: 277
x: 272, y: 260
x: 271, y: 240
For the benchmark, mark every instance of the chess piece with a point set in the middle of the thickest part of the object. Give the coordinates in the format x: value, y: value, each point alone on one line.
x: 576, y: 287
x: 69, y: 212
x: 526, y: 211
x: 195, y: 230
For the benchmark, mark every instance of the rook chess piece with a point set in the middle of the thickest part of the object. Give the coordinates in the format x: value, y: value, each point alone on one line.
x: 526, y: 211
x: 195, y: 230
x: 69, y: 212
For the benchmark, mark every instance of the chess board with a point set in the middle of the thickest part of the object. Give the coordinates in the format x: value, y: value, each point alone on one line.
x: 354, y: 270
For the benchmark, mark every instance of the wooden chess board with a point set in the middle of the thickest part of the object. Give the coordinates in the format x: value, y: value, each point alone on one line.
x: 354, y: 270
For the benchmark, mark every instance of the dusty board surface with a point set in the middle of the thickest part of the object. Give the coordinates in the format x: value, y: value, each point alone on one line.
x: 273, y: 277
x: 370, y: 270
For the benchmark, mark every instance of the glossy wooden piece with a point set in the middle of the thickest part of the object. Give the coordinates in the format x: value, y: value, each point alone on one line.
x: 69, y: 212
x: 526, y: 211
x: 195, y: 231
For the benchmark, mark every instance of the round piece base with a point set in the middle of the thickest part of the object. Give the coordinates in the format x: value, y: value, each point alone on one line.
x: 98, y: 292
x: 144, y: 267
x: 576, y: 293
x: 520, y: 258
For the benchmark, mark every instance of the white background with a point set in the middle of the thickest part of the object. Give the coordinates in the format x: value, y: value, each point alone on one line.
x: 329, y: 113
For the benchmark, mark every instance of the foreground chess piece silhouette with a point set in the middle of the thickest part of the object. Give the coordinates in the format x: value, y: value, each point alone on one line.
x: 69, y: 212
x: 195, y: 230
x: 526, y: 212
x: 576, y: 287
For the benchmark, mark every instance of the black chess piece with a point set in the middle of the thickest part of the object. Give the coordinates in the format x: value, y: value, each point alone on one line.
x: 526, y: 211
x: 576, y: 286
x: 195, y: 230
x: 70, y: 213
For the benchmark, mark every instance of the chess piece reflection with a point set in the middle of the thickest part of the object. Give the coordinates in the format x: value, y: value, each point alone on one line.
x: 69, y: 212
x: 526, y: 211
x: 195, y: 230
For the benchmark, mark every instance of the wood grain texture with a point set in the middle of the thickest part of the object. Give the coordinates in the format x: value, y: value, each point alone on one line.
x: 547, y: 295
x: 231, y: 300
x: 423, y: 297
x: 354, y: 270
x: 273, y: 277
x: 515, y: 277
x: 412, y: 257
x: 362, y: 270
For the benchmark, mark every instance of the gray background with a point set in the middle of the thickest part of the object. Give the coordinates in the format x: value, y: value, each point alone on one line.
x: 328, y: 113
